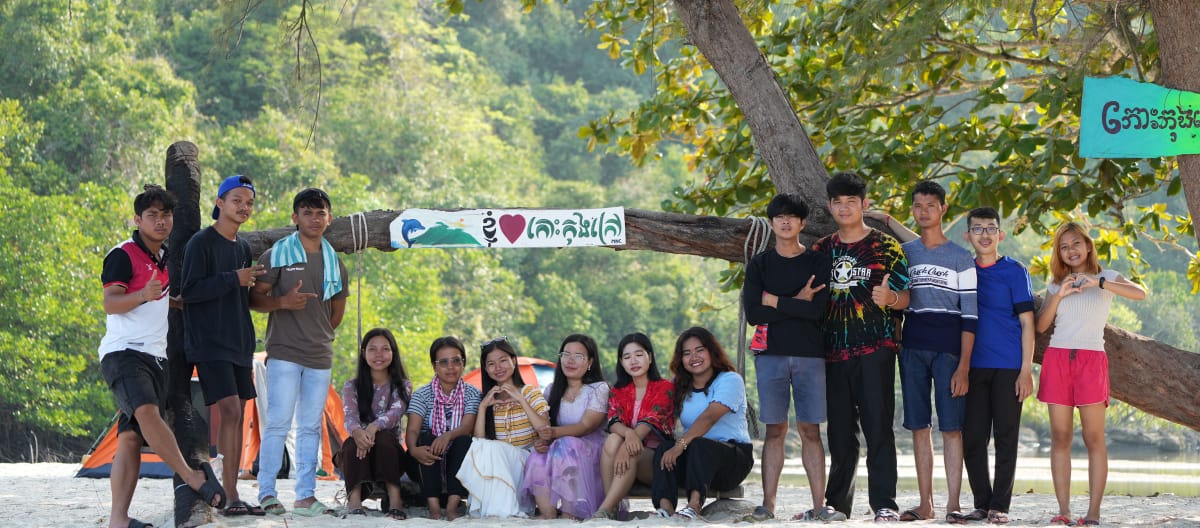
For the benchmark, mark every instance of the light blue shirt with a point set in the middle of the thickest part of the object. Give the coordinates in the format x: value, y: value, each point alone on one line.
x: 729, y: 390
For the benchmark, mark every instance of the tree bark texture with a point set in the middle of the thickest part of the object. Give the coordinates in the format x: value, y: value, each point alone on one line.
x: 717, y: 30
x: 191, y: 431
x: 1177, y: 24
x: 1144, y: 372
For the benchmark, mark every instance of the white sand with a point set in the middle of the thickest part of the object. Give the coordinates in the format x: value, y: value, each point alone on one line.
x: 48, y: 495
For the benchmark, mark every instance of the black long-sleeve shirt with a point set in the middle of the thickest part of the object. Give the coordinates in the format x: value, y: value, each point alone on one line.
x: 793, y: 327
x: 216, y: 312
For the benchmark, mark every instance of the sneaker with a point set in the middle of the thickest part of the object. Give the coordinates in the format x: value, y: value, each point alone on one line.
x: 886, y: 515
x: 829, y: 514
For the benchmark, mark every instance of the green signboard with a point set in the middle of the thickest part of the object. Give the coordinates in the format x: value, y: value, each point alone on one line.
x: 1123, y: 118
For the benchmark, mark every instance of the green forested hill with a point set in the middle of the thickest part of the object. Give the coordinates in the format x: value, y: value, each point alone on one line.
x: 415, y: 109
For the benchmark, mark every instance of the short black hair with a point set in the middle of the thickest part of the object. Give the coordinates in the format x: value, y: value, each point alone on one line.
x: 930, y: 188
x: 846, y: 184
x: 983, y: 213
x: 787, y: 204
x: 311, y: 197
x: 153, y: 195
x: 447, y: 341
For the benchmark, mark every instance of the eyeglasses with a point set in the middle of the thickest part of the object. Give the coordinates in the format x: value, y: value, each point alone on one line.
x: 492, y: 343
x: 979, y: 230
x: 451, y: 361
x: 573, y: 356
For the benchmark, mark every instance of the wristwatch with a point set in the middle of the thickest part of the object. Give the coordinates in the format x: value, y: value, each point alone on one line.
x: 1102, y: 279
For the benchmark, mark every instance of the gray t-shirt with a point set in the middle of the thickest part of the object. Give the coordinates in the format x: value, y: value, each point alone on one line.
x: 303, y: 337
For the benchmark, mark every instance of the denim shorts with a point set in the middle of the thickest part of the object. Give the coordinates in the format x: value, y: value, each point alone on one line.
x: 798, y: 379
x: 919, y: 369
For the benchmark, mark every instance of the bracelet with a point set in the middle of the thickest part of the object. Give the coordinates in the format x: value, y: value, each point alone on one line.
x: 1101, y: 283
x: 894, y: 301
x: 682, y: 443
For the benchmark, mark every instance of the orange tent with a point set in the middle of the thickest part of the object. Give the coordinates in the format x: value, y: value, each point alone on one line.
x: 97, y: 463
x: 535, y: 371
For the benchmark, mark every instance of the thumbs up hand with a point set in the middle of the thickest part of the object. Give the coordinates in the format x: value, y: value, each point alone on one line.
x: 882, y: 294
x: 153, y: 289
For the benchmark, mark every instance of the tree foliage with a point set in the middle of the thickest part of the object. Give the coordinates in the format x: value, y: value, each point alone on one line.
x: 980, y: 95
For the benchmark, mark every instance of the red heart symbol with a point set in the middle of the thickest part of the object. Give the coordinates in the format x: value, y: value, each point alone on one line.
x: 512, y: 226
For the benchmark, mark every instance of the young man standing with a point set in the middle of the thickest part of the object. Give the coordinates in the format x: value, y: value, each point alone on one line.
x: 218, y: 333
x: 785, y: 289
x: 304, y: 291
x: 869, y: 286
x: 1001, y: 375
x: 134, y: 350
x: 939, y: 332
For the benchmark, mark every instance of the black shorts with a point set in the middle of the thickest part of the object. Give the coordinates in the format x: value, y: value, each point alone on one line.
x: 135, y: 379
x: 222, y: 379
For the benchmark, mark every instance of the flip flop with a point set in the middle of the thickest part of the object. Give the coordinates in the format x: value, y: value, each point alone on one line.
x: 315, y: 509
x: 1087, y: 522
x: 911, y: 515
x: 997, y: 517
x: 240, y: 507
x: 976, y: 515
x: 211, y: 487
x: 272, y: 506
x: 688, y: 513
x: 1062, y: 520
x: 397, y: 514
x: 134, y: 523
x: 956, y: 517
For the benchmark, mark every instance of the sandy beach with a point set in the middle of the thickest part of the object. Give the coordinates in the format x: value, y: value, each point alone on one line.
x: 48, y: 495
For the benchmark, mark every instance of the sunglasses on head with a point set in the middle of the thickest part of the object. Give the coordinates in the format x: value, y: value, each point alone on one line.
x: 492, y: 343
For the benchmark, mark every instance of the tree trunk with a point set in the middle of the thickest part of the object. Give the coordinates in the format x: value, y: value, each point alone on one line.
x: 717, y: 30
x: 1177, y: 23
x: 191, y: 431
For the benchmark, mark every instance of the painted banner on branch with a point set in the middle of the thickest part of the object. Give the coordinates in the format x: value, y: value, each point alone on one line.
x: 505, y: 228
x: 1123, y: 118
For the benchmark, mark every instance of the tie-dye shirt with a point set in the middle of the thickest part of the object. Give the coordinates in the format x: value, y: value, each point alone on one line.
x: 853, y: 324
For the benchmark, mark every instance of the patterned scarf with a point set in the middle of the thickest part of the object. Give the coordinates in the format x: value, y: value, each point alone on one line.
x: 456, y: 402
x: 289, y: 250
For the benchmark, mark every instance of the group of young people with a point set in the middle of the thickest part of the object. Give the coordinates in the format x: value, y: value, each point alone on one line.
x: 833, y: 319
x: 829, y: 332
x: 572, y: 450
x: 299, y: 281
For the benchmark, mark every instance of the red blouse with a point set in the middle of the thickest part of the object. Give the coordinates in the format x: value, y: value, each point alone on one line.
x: 657, y: 409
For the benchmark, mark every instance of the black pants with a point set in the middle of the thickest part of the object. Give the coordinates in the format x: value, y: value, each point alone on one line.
x: 440, y: 479
x: 862, y: 390
x: 706, y: 464
x: 993, y: 410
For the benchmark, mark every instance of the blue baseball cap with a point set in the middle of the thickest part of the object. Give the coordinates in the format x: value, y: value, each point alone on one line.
x: 229, y: 184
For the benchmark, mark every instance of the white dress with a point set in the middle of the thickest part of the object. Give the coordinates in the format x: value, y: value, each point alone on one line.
x: 492, y: 470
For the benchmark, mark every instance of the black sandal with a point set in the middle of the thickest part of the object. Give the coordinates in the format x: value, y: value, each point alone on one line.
x: 397, y: 514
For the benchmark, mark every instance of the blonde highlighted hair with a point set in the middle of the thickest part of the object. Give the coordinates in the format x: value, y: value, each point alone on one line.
x: 1059, y: 269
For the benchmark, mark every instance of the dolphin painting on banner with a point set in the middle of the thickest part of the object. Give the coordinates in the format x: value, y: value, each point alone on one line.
x: 505, y: 228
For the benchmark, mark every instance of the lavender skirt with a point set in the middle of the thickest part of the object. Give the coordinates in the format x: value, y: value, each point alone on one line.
x: 568, y: 473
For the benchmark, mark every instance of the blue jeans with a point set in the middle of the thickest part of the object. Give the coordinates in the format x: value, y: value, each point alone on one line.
x: 299, y: 391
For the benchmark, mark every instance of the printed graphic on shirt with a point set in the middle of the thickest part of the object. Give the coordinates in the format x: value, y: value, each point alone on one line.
x: 854, y: 325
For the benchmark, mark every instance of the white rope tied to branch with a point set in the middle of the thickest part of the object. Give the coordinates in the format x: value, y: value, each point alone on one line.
x: 359, y: 237
x: 756, y: 242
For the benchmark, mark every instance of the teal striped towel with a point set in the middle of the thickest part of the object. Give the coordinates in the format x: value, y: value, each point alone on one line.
x: 289, y: 250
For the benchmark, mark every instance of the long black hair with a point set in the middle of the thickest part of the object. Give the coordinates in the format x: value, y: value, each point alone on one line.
x: 623, y: 377
x: 365, y: 387
x: 488, y: 383
x: 683, y: 379
x: 593, y: 374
